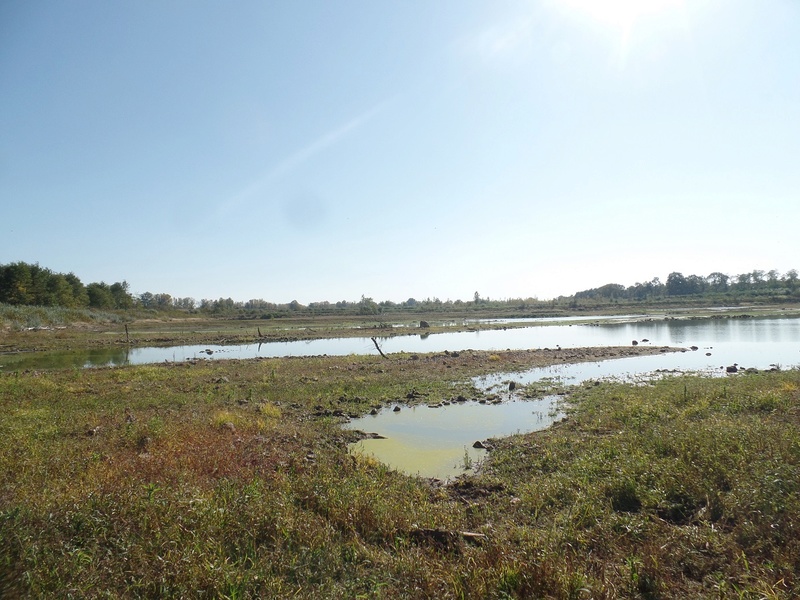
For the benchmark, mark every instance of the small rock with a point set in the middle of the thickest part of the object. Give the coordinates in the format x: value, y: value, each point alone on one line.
x: 396, y: 409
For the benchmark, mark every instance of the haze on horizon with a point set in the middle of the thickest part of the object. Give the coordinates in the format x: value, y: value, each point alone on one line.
x: 325, y: 151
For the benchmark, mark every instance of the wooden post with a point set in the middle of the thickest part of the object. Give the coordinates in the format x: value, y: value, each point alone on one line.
x: 127, y: 337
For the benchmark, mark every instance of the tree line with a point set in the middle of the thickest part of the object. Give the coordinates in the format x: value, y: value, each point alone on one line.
x: 29, y: 284
x: 753, y: 284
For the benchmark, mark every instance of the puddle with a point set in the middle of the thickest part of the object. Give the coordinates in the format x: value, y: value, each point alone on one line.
x: 438, y: 442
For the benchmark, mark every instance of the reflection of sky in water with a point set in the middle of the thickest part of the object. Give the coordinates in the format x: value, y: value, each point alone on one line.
x: 749, y: 342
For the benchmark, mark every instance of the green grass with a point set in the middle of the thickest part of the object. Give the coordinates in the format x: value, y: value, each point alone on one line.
x: 226, y: 479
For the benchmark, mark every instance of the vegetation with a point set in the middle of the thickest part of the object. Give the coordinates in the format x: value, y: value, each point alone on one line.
x: 717, y: 287
x: 232, y: 480
x: 23, y: 284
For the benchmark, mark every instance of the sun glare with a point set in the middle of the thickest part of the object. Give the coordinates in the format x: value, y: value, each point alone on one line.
x: 621, y: 18
x: 619, y: 14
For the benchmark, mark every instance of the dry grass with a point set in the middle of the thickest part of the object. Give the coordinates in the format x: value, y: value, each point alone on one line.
x: 223, y: 480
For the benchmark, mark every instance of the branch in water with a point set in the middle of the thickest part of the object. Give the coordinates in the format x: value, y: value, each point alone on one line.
x: 374, y: 341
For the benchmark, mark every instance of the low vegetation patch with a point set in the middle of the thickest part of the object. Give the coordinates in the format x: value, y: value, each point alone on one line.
x: 233, y: 479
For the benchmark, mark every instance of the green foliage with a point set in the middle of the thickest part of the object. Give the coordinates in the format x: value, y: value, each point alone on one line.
x: 23, y: 284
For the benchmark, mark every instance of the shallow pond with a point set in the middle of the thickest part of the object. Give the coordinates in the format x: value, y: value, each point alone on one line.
x: 748, y: 335
x: 438, y: 442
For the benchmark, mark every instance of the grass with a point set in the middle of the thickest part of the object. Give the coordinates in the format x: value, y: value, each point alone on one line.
x: 17, y: 318
x: 231, y: 480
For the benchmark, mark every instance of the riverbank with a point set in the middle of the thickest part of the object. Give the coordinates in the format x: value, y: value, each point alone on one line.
x: 127, y: 330
x: 232, y: 478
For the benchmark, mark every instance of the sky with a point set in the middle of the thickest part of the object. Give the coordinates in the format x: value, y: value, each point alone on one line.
x: 318, y: 151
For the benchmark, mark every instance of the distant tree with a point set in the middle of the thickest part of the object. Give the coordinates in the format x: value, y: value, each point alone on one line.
x: 147, y: 299
x: 743, y: 281
x: 100, y: 295
x: 184, y: 303
x: 162, y: 300
x: 717, y: 281
x: 295, y: 305
x: 367, y: 306
x: 121, y: 295
x: 676, y: 284
x: 791, y: 280
x: 773, y: 279
x: 79, y: 294
x: 16, y: 284
x: 695, y: 284
x: 60, y: 292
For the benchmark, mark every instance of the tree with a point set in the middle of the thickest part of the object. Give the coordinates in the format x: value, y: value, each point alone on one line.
x: 100, y: 295
x: 60, y: 291
x: 791, y: 280
x: 162, y: 300
x: 695, y: 284
x: 676, y: 284
x: 119, y: 291
x: 147, y: 299
x: 773, y: 279
x: 718, y: 281
x: 744, y: 281
x: 367, y: 306
x: 16, y: 284
x: 79, y: 294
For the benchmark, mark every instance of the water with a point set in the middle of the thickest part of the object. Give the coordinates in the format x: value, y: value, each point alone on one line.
x: 748, y: 341
x: 437, y: 442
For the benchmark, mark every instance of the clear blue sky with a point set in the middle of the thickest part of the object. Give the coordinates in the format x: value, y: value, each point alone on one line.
x: 325, y: 150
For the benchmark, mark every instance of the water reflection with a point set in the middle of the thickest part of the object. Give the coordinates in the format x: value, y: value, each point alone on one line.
x: 72, y: 359
x: 757, y: 341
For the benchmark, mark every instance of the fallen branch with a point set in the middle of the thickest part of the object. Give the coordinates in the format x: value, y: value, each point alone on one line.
x: 374, y: 341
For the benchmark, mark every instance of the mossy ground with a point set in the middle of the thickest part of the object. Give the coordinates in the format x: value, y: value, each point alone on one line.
x: 220, y: 479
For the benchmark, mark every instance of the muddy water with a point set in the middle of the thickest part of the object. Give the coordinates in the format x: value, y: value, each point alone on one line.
x: 438, y: 442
